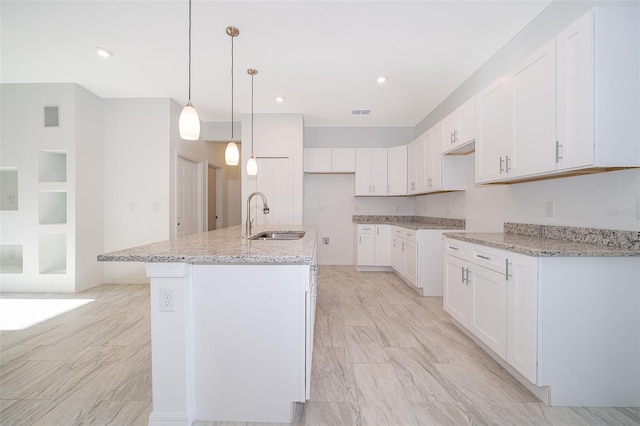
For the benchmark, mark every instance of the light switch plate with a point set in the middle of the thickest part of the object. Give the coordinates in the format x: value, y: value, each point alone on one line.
x: 549, y: 208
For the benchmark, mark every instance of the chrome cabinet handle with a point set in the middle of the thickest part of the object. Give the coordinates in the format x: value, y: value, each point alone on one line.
x: 483, y: 257
x: 558, y: 157
x: 501, y: 161
x: 506, y: 163
x: 453, y: 248
x: 506, y: 269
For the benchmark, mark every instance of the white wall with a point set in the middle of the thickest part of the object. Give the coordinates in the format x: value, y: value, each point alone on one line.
x: 275, y: 135
x: 136, y: 178
x: 89, y: 214
x: 601, y: 200
x: 329, y: 202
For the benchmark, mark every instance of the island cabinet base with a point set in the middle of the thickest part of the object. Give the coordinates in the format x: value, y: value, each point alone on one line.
x: 235, y: 348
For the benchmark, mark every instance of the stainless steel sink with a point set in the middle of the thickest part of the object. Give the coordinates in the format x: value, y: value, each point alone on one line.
x: 278, y: 235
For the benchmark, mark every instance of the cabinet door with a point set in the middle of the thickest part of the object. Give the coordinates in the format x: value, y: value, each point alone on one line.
x: 575, y: 94
x: 366, y: 249
x: 364, y: 161
x: 343, y: 160
x: 378, y: 171
x: 467, y: 122
x: 383, y: 245
x: 534, y: 118
x: 522, y: 322
x: 317, y: 160
x: 489, y: 308
x: 396, y: 253
x: 494, y: 136
x: 449, y: 126
x: 411, y: 261
x: 456, y: 291
x: 412, y: 167
x: 397, y: 170
x: 432, y: 156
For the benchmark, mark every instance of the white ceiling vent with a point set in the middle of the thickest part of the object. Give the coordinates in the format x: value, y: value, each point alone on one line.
x: 360, y: 111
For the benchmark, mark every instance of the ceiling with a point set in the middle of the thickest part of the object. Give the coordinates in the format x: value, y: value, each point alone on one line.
x: 322, y: 56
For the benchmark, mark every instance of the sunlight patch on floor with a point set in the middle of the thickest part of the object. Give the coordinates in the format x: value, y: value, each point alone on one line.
x: 18, y: 314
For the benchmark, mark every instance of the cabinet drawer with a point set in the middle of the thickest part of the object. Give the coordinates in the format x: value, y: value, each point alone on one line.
x: 455, y: 248
x: 366, y: 229
x: 488, y: 257
x: 404, y: 233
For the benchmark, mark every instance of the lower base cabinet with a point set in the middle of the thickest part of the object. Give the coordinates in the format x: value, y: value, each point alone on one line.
x: 567, y: 327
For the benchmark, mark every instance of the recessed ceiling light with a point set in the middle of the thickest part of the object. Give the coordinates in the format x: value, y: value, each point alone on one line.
x: 280, y: 99
x: 382, y: 79
x: 102, y: 52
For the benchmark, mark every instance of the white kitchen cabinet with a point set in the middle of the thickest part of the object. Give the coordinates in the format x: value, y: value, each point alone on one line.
x: 405, y: 254
x: 534, y: 126
x: 554, y: 322
x: 371, y: 171
x: 522, y: 314
x: 523, y: 142
x: 598, y: 90
x: 397, y: 170
x: 571, y: 105
x: 317, y: 160
x: 494, y: 134
x: 458, y: 129
x: 329, y: 160
x: 432, y: 159
x: 417, y: 159
x: 373, y: 246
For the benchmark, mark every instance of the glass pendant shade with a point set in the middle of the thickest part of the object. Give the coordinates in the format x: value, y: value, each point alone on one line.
x: 231, y: 154
x: 252, y: 166
x: 189, y: 123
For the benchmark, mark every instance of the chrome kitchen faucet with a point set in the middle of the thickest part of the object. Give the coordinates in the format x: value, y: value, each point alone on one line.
x: 265, y: 209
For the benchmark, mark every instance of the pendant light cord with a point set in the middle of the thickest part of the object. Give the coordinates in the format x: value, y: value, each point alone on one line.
x: 232, y: 88
x: 189, y: 51
x: 252, y: 115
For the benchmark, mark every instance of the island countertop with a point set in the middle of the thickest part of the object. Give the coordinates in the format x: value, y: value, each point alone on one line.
x: 224, y: 246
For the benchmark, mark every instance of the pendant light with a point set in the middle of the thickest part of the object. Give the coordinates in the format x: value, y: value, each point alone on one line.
x: 231, y: 153
x: 189, y: 122
x: 252, y: 164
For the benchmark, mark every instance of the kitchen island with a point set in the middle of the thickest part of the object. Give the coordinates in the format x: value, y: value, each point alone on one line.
x: 231, y: 324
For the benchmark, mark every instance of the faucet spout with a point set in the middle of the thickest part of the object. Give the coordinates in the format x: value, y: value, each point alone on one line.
x: 265, y: 210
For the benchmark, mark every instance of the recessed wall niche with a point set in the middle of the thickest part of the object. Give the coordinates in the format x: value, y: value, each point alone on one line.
x: 9, y: 189
x: 53, y: 207
x: 51, y: 118
x: 53, y: 253
x: 52, y: 166
x: 10, y: 259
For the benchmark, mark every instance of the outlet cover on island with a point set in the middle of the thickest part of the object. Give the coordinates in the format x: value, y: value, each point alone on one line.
x: 549, y: 207
x: 167, y: 299
x: 325, y: 240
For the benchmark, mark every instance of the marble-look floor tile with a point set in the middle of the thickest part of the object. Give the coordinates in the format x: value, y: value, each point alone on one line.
x: 442, y: 414
x: 380, y: 396
x: 331, y: 375
x: 365, y: 345
x: 321, y: 413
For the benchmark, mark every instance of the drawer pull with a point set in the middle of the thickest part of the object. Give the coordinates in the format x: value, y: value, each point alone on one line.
x: 453, y: 248
x: 483, y: 257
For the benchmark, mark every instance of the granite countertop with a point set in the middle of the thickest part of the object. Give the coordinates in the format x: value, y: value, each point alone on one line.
x: 225, y: 246
x: 562, y: 242
x: 411, y: 222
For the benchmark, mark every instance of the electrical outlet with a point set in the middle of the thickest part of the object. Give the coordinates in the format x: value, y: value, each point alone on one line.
x: 167, y: 300
x: 325, y: 240
x: 549, y: 208
x: 637, y: 208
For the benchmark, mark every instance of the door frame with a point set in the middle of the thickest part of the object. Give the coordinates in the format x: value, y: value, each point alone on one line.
x: 201, y: 204
x: 219, y: 195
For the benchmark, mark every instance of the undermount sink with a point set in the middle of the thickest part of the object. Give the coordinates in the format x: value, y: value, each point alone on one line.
x: 278, y: 235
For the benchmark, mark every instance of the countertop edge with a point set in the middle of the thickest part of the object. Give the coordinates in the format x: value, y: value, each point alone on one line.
x: 594, y: 250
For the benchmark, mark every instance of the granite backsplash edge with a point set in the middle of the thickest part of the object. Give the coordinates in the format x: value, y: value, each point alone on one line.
x: 608, y: 237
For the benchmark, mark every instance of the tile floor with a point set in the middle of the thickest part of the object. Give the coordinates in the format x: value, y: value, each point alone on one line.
x: 382, y: 356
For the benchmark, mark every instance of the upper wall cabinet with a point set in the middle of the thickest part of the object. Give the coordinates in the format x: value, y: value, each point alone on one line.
x: 397, y: 170
x: 329, y: 160
x: 416, y: 161
x: 571, y: 105
x: 371, y: 171
x: 459, y: 129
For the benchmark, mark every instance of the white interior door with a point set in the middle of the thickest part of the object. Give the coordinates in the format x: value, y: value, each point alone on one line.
x: 274, y: 181
x: 186, y: 197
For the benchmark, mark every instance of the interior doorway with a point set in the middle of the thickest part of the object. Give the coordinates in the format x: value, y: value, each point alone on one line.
x: 214, y: 197
x: 186, y: 197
